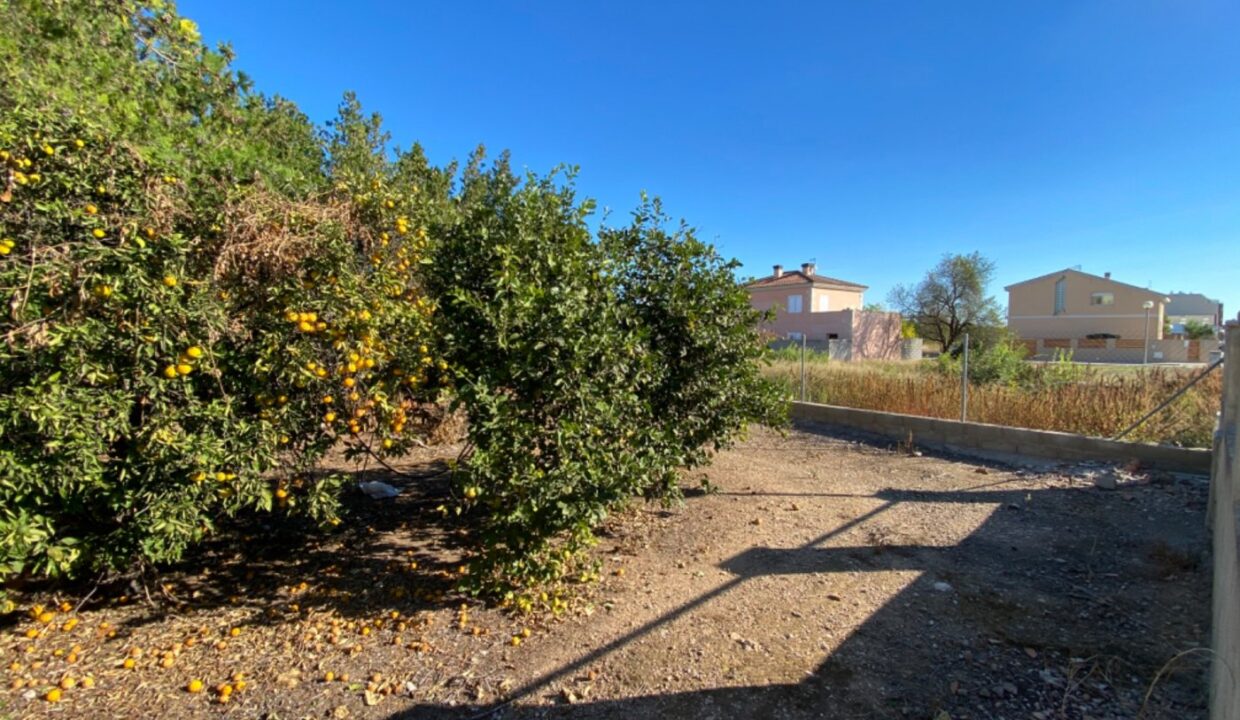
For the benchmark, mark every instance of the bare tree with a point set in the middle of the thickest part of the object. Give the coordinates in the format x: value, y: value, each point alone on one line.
x: 951, y: 300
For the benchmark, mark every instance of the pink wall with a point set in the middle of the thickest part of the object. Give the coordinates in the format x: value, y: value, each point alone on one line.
x: 815, y: 325
x: 876, y: 335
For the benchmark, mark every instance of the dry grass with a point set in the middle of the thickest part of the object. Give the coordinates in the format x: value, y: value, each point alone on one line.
x: 1098, y: 403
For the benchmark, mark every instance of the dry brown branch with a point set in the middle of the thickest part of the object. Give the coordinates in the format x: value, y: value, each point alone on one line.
x: 265, y: 235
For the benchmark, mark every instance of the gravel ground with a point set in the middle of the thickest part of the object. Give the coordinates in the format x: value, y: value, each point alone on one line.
x: 823, y: 577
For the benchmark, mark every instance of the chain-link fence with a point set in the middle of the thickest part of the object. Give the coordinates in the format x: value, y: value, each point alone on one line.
x: 1160, y: 403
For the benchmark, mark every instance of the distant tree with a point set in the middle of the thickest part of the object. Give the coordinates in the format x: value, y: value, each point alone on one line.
x: 951, y: 300
x: 874, y: 307
x: 1197, y: 330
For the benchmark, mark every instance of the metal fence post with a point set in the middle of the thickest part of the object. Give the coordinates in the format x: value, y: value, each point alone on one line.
x: 802, y: 367
x: 964, y: 381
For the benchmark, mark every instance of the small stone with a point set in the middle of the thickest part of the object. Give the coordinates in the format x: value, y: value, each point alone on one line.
x: 1106, y: 480
x: 340, y: 712
x: 941, y: 586
x: 833, y: 597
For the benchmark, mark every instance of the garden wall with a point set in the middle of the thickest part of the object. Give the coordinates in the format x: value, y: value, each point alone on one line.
x: 969, y: 436
x: 1122, y: 350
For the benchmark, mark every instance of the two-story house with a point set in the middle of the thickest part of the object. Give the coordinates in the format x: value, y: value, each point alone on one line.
x: 826, y: 312
x: 1193, y: 307
x: 1070, y: 304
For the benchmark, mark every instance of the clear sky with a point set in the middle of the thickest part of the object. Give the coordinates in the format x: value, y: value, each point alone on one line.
x: 872, y: 136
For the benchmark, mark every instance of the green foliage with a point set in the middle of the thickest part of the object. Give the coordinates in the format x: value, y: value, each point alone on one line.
x: 1197, y: 330
x: 695, y: 321
x: 792, y: 353
x: 206, y: 294
x: 1000, y: 362
x: 182, y: 287
x: 951, y: 300
x: 542, y: 370
x: 1004, y: 362
x: 590, y: 371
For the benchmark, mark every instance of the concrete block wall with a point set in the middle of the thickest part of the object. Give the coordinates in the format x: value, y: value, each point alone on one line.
x: 969, y: 436
x: 1122, y: 350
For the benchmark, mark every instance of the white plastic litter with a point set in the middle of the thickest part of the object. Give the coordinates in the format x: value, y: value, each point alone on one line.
x: 376, y: 490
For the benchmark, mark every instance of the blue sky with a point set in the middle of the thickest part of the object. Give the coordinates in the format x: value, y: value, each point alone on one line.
x: 872, y: 136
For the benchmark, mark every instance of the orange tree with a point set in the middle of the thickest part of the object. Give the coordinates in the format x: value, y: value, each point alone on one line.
x: 701, y: 384
x: 592, y: 369
x: 203, y: 293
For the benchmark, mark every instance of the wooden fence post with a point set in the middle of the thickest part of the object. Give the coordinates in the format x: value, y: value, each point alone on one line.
x: 1224, y: 492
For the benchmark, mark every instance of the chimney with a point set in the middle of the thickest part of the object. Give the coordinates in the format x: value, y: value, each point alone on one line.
x: 779, y: 271
x: 808, y: 268
x: 1107, y: 274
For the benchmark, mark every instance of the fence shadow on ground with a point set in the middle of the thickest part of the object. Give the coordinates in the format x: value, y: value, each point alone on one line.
x: 1051, y: 575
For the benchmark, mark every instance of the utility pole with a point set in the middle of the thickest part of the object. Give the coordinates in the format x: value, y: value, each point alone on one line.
x: 1148, y: 305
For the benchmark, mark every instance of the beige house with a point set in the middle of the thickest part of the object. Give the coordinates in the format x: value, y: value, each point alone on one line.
x: 826, y: 312
x: 1070, y: 304
x: 1193, y: 307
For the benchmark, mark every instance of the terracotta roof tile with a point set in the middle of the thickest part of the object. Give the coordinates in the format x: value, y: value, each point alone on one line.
x: 796, y: 277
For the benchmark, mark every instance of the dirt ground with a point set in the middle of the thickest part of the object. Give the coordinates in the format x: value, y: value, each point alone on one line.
x: 823, y: 577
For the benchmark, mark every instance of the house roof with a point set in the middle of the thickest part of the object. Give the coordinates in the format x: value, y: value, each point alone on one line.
x: 796, y: 277
x: 1161, y: 297
x: 1191, y: 304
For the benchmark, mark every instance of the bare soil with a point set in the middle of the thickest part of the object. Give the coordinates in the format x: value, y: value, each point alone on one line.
x: 824, y: 577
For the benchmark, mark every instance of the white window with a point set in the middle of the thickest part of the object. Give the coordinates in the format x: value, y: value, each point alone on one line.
x: 1102, y: 298
x: 824, y: 303
x: 794, y: 303
x: 1060, y: 296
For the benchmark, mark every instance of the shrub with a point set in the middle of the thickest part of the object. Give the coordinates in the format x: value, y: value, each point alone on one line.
x: 1198, y: 330
x: 1002, y: 362
x: 792, y: 353
x: 994, y: 357
x: 695, y: 323
x: 206, y: 293
x: 589, y: 371
x: 187, y: 272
